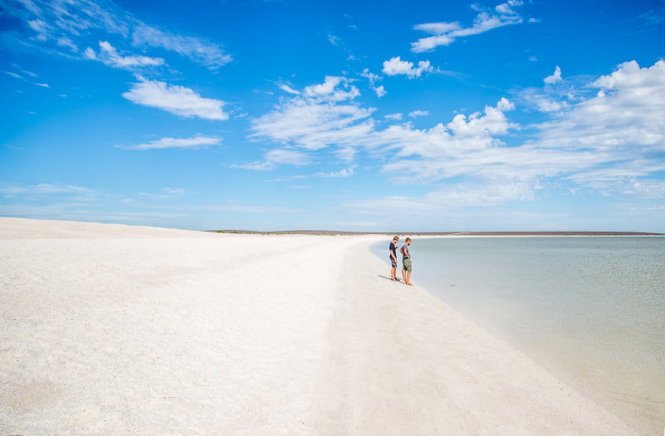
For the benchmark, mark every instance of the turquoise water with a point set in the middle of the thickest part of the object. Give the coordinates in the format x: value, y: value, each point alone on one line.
x: 589, y: 309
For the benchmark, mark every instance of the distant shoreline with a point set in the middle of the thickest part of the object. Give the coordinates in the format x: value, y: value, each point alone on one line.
x: 347, y: 233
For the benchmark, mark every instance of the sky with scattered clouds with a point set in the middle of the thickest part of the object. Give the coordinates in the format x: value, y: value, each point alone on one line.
x: 367, y: 116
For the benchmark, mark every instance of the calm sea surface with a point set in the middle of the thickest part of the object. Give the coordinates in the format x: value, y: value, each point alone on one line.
x: 589, y: 309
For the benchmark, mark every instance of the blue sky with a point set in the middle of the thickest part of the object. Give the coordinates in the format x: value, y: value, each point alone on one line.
x: 377, y: 116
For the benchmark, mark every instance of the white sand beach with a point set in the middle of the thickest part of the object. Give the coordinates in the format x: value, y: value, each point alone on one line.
x: 108, y: 329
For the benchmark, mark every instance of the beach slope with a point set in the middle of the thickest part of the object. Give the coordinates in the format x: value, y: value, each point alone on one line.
x: 111, y: 328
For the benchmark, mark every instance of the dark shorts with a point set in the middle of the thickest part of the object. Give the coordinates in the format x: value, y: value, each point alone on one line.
x: 393, y: 262
x: 407, y: 264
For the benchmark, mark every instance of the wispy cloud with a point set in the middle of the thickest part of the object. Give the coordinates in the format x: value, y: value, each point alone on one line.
x: 343, y: 173
x: 57, y: 25
x: 653, y: 18
x: 418, y: 113
x: 30, y: 79
x: 14, y: 75
x: 333, y: 39
x: 288, y: 89
x: 379, y: 90
x: 623, y: 124
x: 193, y: 142
x: 334, y: 88
x: 322, y: 115
x: 45, y: 189
x: 454, y: 196
x: 445, y: 33
x: 164, y: 194
x: 607, y: 142
x: 110, y: 56
x: 396, y: 66
x: 175, y: 99
x: 273, y: 158
x: 197, y: 49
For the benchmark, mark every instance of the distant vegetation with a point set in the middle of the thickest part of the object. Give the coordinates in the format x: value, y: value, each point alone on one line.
x: 337, y: 232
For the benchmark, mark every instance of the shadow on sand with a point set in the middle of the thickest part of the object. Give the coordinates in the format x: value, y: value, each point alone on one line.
x: 388, y: 278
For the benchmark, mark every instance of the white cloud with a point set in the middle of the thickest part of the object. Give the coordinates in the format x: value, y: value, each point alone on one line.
x: 44, y: 189
x: 467, y: 145
x: 313, y: 126
x: 63, y: 41
x: 63, y: 24
x: 14, y: 75
x: 273, y: 158
x: 334, y: 88
x: 396, y: 116
x: 546, y: 105
x: 555, y: 77
x: 611, y: 142
x: 287, y: 88
x: 18, y: 76
x: 309, y: 124
x: 454, y: 196
x: 285, y: 156
x: 193, y: 142
x: 110, y: 56
x: 334, y: 40
x: 626, y: 118
x: 445, y: 33
x: 316, y: 118
x: 175, y: 99
x: 418, y: 113
x: 163, y: 194
x: 380, y: 91
x: 344, y: 172
x: 373, y: 79
x: 197, y: 49
x: 438, y: 28
x: 545, y: 100
x: 43, y: 30
x: 396, y: 66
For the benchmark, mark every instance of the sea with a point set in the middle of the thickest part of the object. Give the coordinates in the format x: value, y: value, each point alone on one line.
x: 591, y: 310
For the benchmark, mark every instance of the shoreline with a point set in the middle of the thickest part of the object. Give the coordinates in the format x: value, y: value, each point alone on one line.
x: 606, y: 395
x: 442, y: 234
x: 433, y: 371
x: 114, y: 328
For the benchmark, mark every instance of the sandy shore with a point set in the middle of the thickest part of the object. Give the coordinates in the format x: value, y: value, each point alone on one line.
x: 114, y: 329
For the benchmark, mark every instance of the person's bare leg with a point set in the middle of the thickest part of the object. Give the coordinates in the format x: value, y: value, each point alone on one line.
x: 393, y: 273
x: 406, y: 281
x: 408, y: 278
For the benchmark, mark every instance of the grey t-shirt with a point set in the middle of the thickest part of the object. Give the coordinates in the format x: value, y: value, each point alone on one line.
x: 405, y: 252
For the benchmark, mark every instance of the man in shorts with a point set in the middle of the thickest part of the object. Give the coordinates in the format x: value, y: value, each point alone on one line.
x: 406, y: 262
x: 392, y: 254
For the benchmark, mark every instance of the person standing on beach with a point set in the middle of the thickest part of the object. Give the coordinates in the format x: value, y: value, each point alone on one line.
x: 392, y: 250
x: 406, y: 262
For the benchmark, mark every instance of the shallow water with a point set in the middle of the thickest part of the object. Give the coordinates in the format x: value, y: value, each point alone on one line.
x: 589, y: 309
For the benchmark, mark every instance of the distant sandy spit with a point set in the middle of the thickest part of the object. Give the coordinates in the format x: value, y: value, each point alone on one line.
x: 108, y: 329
